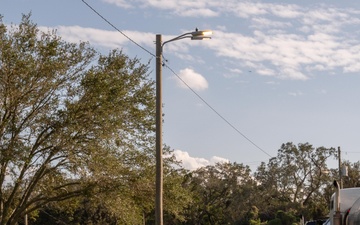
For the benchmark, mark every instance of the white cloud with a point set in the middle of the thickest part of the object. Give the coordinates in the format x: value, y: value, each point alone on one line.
x: 199, y: 13
x: 216, y: 159
x: 288, y: 55
x: 293, y: 42
x: 193, y: 163
x: 206, y: 8
x: 282, y: 55
x: 192, y: 79
x: 260, y: 22
x: 266, y: 72
x: 121, y: 3
x: 243, y: 9
x: 185, y: 8
x: 236, y: 70
x: 103, y: 38
x: 286, y: 10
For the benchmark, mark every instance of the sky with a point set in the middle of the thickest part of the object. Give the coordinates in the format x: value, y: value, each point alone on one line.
x: 273, y: 72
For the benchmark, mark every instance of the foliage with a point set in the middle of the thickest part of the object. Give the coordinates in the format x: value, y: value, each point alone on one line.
x: 77, y: 147
x: 353, y: 177
x: 275, y: 221
x: 252, y: 216
x: 69, y: 126
x: 295, y: 177
x: 86, y: 213
x: 284, y: 218
x: 222, y: 194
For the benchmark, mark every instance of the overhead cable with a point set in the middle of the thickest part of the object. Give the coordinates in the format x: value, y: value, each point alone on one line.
x: 165, y: 65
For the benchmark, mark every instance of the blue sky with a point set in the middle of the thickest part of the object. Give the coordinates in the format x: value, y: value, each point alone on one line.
x: 276, y: 71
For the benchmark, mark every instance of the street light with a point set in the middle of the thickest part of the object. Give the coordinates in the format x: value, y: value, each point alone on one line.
x: 196, y: 35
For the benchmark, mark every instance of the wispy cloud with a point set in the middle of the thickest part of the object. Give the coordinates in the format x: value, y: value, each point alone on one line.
x: 103, y: 38
x: 261, y: 23
x: 285, y: 41
x: 120, y: 3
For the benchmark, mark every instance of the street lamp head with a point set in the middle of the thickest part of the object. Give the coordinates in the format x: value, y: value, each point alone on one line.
x: 201, y: 34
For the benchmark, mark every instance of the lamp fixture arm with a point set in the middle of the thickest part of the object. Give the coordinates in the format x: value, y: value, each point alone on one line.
x: 195, y: 35
x: 186, y: 35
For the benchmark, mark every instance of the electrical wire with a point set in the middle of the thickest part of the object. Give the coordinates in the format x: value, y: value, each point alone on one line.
x: 113, y: 26
x: 165, y: 65
x: 217, y: 113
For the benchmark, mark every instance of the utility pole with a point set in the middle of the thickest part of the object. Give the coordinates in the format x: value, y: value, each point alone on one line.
x: 340, y: 172
x: 197, y: 35
x: 159, y: 155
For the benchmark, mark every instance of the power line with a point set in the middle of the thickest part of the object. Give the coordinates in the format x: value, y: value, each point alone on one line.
x: 165, y: 65
x: 113, y: 26
x: 217, y: 113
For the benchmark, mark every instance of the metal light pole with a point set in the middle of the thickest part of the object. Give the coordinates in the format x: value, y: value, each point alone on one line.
x: 196, y: 35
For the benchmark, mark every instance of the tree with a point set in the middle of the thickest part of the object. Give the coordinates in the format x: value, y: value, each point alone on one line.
x: 70, y: 126
x: 177, y: 195
x: 253, y: 216
x: 85, y: 213
x: 353, y: 177
x: 295, y: 177
x: 284, y: 218
x: 223, y: 194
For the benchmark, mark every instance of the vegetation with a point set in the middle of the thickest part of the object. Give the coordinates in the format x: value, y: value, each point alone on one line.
x: 77, y: 147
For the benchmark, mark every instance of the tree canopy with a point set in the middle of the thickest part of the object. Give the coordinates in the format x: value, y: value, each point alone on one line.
x: 77, y: 147
x: 69, y: 125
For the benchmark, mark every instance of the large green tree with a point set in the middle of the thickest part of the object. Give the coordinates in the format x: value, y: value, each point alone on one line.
x: 295, y: 179
x: 70, y: 125
x: 223, y: 194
